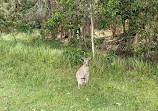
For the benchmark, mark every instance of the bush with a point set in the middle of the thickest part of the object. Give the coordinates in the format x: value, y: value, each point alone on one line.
x: 74, y: 55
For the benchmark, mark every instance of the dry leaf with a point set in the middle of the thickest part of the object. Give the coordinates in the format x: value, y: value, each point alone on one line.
x: 71, y: 106
x: 118, y: 104
x: 33, y: 109
x: 68, y: 93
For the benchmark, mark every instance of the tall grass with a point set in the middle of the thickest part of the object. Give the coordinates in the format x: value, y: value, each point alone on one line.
x: 38, y: 75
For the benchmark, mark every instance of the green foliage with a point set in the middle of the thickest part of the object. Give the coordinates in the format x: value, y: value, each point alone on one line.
x: 98, y: 42
x: 74, y: 56
x: 74, y: 42
x: 147, y: 51
x: 77, y: 50
x: 143, y: 49
x: 109, y: 8
x: 142, y: 22
x: 108, y: 11
x: 54, y: 21
x: 7, y: 15
x: 141, y: 19
x: 14, y: 19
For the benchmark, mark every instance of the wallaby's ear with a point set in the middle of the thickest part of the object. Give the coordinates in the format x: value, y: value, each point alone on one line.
x: 89, y: 58
x: 83, y: 58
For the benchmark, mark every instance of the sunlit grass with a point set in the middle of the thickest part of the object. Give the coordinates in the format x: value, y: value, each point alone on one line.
x: 21, y: 36
x: 35, y: 75
x: 103, y: 33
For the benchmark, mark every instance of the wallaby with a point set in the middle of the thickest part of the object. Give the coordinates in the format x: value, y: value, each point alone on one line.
x: 82, y: 75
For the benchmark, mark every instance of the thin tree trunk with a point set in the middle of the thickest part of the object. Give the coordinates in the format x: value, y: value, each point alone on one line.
x: 67, y: 33
x: 50, y: 9
x: 53, y: 34
x: 84, y: 28
x: 88, y: 31
x: 70, y: 33
x: 113, y: 27
x: 135, y: 42
x: 79, y: 37
x: 61, y: 32
x: 92, y: 20
x: 49, y: 16
x: 124, y: 26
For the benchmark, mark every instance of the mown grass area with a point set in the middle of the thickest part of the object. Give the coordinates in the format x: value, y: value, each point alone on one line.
x: 37, y: 75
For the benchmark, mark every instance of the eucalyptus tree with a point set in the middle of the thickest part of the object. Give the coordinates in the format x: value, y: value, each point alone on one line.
x: 92, y: 26
x: 74, y: 15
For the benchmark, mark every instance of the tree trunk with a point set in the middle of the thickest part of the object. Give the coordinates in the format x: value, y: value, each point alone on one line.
x: 79, y: 34
x: 53, y: 34
x: 50, y: 8
x: 124, y: 26
x: 61, y: 32
x: 49, y: 16
x: 113, y: 27
x: 88, y: 31
x: 70, y: 33
x: 92, y: 27
x: 135, y: 42
x: 67, y: 33
x: 84, y: 28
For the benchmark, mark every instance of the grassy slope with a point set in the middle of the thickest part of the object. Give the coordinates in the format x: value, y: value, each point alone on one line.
x: 37, y: 76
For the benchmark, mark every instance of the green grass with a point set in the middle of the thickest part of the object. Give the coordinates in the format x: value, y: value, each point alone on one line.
x: 36, y: 75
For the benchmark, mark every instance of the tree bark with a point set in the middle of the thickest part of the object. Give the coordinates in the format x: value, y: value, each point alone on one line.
x: 50, y: 8
x: 113, y: 27
x: 70, y: 33
x: 53, y: 34
x: 79, y: 34
x: 124, y: 26
x: 61, y: 32
x: 88, y: 31
x: 135, y: 42
x: 84, y: 28
x: 92, y: 27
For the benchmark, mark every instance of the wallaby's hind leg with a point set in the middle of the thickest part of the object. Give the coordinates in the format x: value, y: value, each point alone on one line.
x: 79, y: 83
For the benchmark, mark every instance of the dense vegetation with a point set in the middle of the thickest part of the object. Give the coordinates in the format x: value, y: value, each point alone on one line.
x: 72, y: 18
x: 42, y: 42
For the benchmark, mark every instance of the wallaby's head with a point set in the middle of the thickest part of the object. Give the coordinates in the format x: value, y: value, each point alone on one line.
x: 86, y: 60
